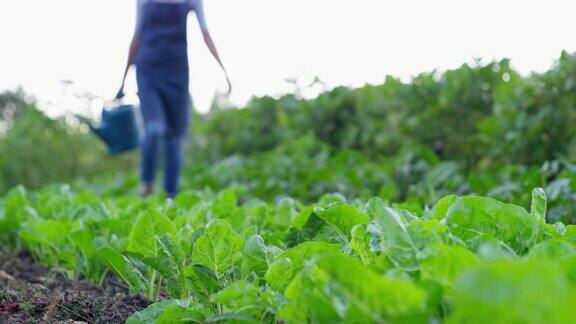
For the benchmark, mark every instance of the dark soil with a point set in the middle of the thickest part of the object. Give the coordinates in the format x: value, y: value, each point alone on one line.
x: 31, y: 293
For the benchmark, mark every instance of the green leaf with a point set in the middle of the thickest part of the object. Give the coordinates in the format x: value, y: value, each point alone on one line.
x: 46, y: 232
x: 360, y: 243
x: 254, y: 256
x: 362, y: 291
x: 218, y: 248
x: 506, y: 291
x: 82, y: 240
x: 280, y: 273
x: 148, y: 226
x: 183, y: 312
x: 151, y: 313
x: 441, y: 207
x: 230, y: 318
x: 187, y: 199
x: 225, y: 204
x: 443, y: 263
x: 241, y: 297
x: 203, y: 280
x: 493, y: 249
x: 170, y: 311
x: 296, y: 309
x: 340, y: 289
x: 12, y: 214
x: 289, y: 262
x: 257, y: 256
x: 232, y: 294
x: 552, y: 251
x: 425, y: 232
x: 440, y: 173
x: 123, y: 268
x: 284, y: 213
x: 16, y: 200
x: 302, y: 218
x: 309, y: 230
x: 169, y: 262
x: 86, y: 260
x: 331, y: 199
x: 477, y: 219
x: 343, y: 218
x: 569, y: 234
x: 539, y: 201
x: 389, y: 229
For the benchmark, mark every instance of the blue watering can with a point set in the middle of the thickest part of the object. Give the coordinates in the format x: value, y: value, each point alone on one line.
x: 118, y: 129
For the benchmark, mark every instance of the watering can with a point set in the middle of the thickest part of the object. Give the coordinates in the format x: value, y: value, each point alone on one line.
x: 118, y: 128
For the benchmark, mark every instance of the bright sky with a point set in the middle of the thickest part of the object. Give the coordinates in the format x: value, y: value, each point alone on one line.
x: 344, y: 42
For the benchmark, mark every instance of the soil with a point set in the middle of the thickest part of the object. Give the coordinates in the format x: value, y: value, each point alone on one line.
x: 32, y: 293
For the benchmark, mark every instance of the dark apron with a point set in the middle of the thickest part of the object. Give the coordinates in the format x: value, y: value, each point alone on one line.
x: 162, y: 67
x: 163, y: 37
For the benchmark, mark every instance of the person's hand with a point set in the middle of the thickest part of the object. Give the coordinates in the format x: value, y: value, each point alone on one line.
x: 120, y: 93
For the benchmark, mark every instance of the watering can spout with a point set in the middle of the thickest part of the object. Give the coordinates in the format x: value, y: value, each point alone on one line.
x: 118, y: 129
x: 102, y: 134
x: 98, y: 131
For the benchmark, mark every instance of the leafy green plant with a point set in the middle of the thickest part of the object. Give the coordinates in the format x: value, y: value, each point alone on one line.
x: 352, y: 207
x: 337, y: 260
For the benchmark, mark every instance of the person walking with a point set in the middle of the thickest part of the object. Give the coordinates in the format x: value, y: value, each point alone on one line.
x: 159, y: 49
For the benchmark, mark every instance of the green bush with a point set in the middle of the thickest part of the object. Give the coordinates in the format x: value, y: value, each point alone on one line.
x: 479, y: 115
x: 38, y: 150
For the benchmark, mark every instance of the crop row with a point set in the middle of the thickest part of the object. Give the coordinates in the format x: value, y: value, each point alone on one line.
x: 222, y: 258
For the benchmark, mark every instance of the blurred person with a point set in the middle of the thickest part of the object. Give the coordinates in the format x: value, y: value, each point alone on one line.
x: 159, y: 50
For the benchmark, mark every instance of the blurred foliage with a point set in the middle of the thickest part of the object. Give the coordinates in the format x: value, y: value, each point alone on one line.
x: 13, y: 103
x: 479, y: 129
x: 38, y: 150
x: 426, y: 249
x: 481, y: 115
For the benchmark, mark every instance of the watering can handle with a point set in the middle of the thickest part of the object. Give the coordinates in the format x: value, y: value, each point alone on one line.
x: 114, y: 102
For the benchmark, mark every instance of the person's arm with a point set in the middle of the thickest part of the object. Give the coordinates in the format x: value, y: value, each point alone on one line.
x: 212, y: 47
x: 134, y: 45
x: 198, y: 7
x: 131, y: 57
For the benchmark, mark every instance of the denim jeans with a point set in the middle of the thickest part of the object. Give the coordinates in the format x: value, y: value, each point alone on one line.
x: 164, y: 103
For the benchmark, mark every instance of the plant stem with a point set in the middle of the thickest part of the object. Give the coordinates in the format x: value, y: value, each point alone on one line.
x: 158, y: 287
x: 151, y: 286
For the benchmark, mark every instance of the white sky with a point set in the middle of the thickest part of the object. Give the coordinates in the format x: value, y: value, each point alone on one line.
x: 349, y: 42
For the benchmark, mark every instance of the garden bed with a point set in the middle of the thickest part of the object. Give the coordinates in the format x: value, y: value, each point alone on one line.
x: 30, y: 292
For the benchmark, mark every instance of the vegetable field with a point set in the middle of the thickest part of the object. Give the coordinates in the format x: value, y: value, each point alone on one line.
x: 216, y: 257
x: 448, y: 199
